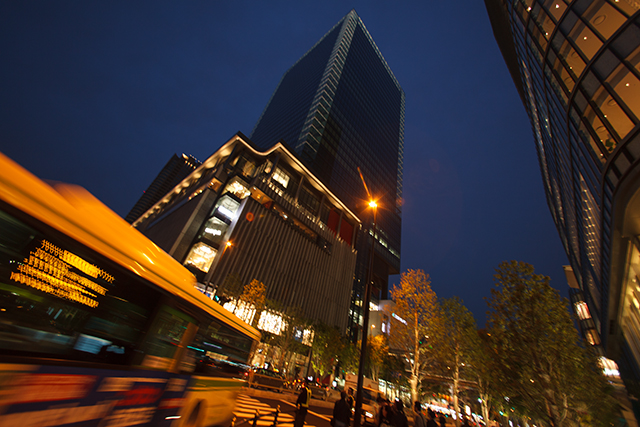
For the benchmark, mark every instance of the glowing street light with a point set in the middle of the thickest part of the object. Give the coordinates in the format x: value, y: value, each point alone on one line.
x: 367, y: 298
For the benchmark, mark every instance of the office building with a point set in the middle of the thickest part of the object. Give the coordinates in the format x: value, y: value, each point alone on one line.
x: 263, y: 203
x: 340, y: 108
x: 176, y: 169
x: 576, y: 65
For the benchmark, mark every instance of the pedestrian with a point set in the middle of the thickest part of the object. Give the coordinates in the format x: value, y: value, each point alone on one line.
x: 441, y: 420
x: 465, y: 422
x: 341, y: 412
x: 419, y: 417
x: 303, y: 404
x: 398, y: 418
x: 432, y: 418
x: 378, y: 406
x: 350, y: 399
x: 385, y: 413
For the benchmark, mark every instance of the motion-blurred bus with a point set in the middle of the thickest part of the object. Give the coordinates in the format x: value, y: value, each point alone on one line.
x: 100, y: 327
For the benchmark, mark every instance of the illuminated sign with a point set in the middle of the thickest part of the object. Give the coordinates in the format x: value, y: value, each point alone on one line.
x: 48, y: 269
x: 395, y: 316
x: 213, y: 231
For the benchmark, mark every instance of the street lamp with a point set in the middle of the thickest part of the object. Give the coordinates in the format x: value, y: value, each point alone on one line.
x: 367, y: 297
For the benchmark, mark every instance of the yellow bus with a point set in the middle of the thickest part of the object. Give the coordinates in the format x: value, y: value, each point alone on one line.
x: 100, y: 327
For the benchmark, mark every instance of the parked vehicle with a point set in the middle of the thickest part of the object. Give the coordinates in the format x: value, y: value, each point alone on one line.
x: 319, y: 391
x: 265, y: 378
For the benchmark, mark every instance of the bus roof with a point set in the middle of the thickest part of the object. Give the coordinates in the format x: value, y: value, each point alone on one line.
x: 75, y: 212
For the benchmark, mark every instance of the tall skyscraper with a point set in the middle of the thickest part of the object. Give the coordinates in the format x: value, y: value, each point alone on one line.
x: 576, y: 65
x: 176, y: 169
x: 340, y: 107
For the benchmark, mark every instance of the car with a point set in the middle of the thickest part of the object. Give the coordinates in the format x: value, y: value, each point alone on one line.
x: 268, y: 379
x: 319, y: 391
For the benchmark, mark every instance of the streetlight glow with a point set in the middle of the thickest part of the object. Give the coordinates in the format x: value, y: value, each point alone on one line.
x: 357, y: 419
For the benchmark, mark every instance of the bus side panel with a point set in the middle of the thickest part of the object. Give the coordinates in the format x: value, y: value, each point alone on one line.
x: 209, y: 401
x: 42, y: 396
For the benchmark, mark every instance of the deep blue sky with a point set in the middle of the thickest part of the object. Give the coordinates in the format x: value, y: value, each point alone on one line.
x: 101, y: 94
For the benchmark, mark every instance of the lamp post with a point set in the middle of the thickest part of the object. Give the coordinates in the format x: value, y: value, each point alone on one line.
x: 365, y: 329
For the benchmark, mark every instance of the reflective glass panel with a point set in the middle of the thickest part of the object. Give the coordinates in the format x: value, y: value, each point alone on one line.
x: 612, y: 112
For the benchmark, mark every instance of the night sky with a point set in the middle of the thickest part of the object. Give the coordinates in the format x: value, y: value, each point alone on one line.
x: 102, y: 94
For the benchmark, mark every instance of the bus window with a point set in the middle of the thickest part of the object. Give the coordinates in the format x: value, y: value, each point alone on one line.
x: 61, y: 300
x: 170, y: 335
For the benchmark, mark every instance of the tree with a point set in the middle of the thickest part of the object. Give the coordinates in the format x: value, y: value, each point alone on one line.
x: 483, y: 370
x: 546, y: 370
x: 456, y: 348
x: 293, y: 321
x: 231, y: 287
x: 254, y: 294
x: 349, y: 356
x: 327, y: 344
x: 417, y: 306
x: 378, y: 352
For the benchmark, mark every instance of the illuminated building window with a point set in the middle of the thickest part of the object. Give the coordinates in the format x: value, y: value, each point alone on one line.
x: 214, y: 230
x: 582, y: 310
x: 609, y: 367
x: 246, y: 166
x: 592, y: 337
x: 227, y: 207
x: 242, y: 309
x: 238, y: 189
x: 307, y: 337
x: 281, y: 177
x: 271, y: 322
x: 201, y: 256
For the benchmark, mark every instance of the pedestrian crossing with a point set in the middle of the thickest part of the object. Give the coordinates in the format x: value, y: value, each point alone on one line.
x: 245, y: 411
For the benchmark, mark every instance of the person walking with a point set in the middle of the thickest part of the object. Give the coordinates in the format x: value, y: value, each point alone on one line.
x: 341, y: 411
x: 432, y: 419
x: 398, y: 418
x: 303, y: 404
x: 441, y: 420
x: 419, y: 417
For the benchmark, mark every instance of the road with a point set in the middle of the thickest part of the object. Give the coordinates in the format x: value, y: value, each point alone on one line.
x: 266, y: 402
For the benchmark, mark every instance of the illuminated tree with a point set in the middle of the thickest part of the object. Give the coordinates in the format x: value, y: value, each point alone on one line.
x: 349, y: 355
x: 546, y: 370
x: 484, y: 369
x: 326, y: 347
x: 418, y: 323
x: 377, y: 354
x: 254, y: 295
x: 458, y: 346
x: 293, y: 323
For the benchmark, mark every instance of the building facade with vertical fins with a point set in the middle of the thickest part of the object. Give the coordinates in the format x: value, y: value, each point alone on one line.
x: 262, y: 202
x: 176, y: 169
x: 340, y: 108
x: 576, y: 65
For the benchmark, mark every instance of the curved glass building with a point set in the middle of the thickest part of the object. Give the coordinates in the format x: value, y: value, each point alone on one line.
x: 576, y: 65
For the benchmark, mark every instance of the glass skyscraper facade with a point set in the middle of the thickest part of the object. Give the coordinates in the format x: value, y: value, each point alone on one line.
x: 176, y: 169
x: 576, y: 65
x: 340, y: 108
